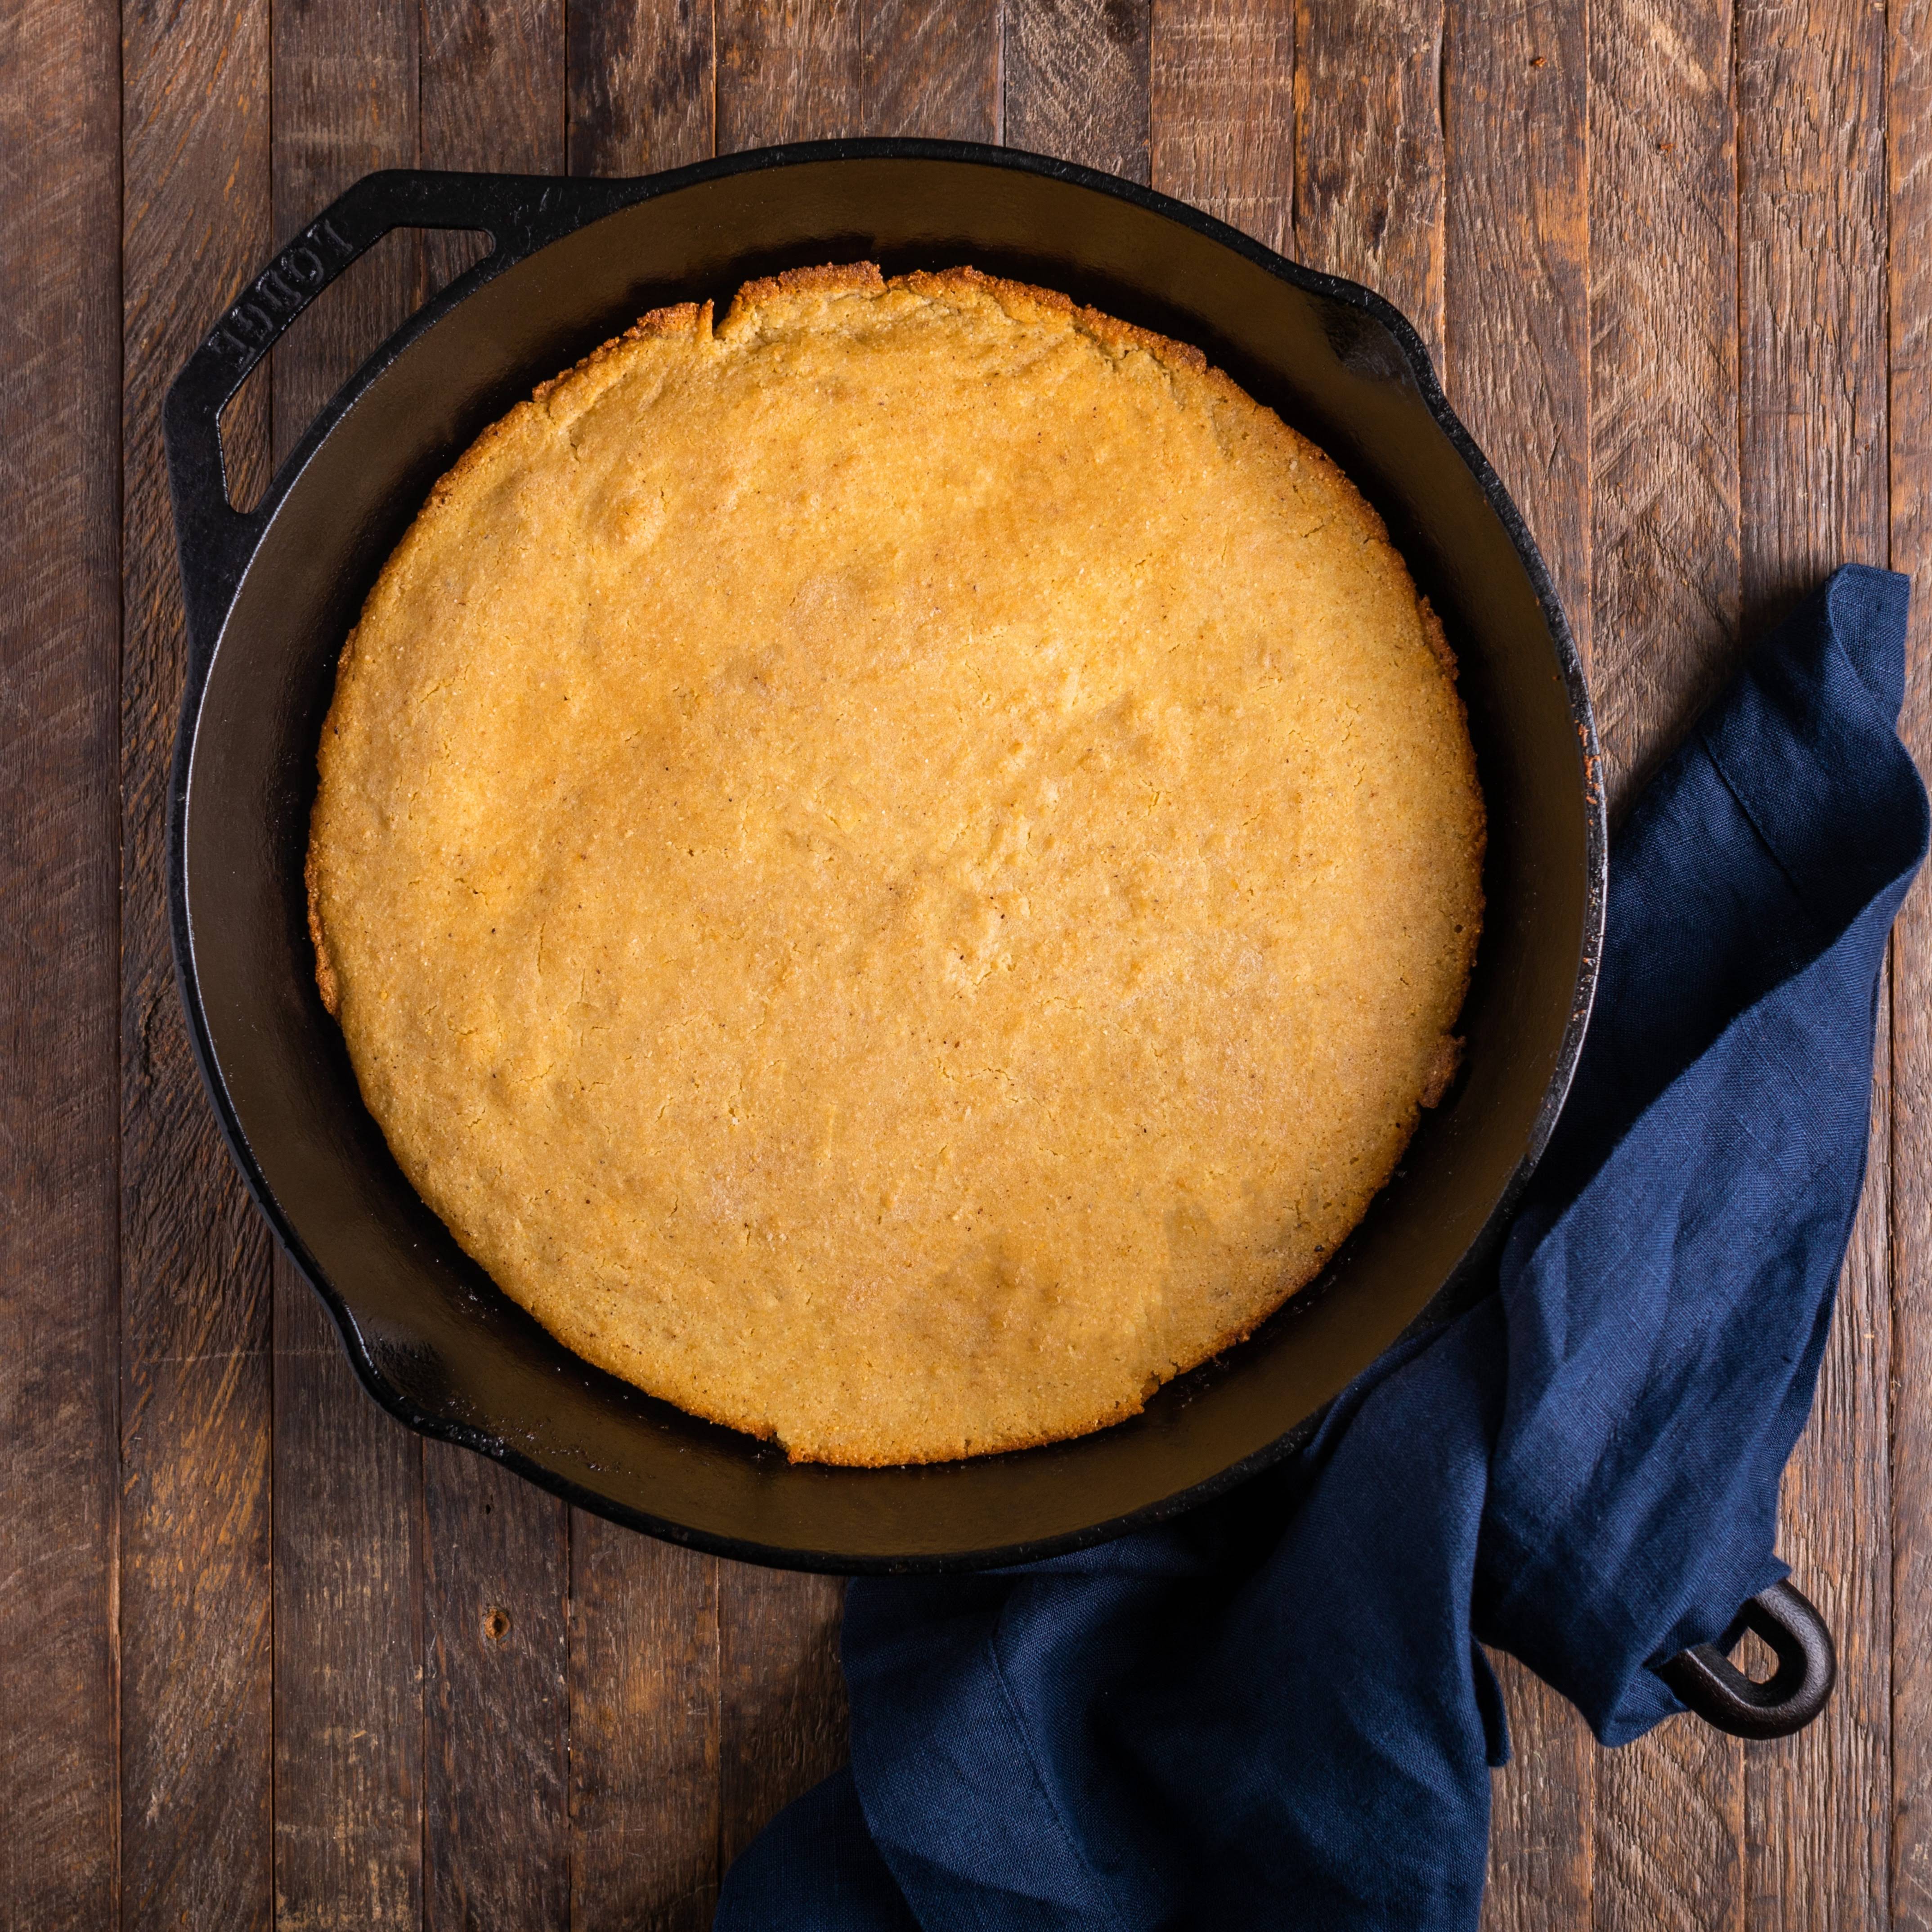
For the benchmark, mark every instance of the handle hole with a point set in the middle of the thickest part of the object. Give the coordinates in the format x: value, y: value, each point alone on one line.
x: 265, y: 419
x: 1755, y: 1657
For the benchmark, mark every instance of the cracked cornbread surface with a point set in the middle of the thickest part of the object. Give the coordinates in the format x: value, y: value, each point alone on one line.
x: 898, y: 869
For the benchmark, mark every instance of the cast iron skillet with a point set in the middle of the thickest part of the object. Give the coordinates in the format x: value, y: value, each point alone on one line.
x: 271, y: 593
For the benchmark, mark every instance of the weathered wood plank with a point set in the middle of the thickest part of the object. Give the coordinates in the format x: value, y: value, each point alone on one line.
x: 644, y: 1808
x: 1812, y: 372
x: 497, y: 1716
x: 1515, y: 97
x: 1669, y: 1850
x: 1517, y: 227
x: 348, y: 1482
x: 1811, y: 174
x: 642, y: 84
x: 490, y: 96
x: 1909, y: 149
x: 195, y: 1402
x: 496, y: 1549
x: 930, y: 71
x: 348, y: 1638
x: 787, y: 70
x: 1663, y: 241
x: 782, y: 1699
x: 1368, y: 149
x: 1222, y: 111
x: 1077, y: 82
x: 60, y: 242
x: 493, y: 93
x: 1543, y: 1865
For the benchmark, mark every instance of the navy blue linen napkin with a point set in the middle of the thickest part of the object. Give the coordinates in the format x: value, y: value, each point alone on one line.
x: 1275, y: 1712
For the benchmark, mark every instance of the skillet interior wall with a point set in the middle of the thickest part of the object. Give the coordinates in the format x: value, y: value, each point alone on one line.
x: 442, y: 1343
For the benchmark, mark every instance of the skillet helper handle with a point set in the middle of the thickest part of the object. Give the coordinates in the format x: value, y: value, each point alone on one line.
x: 1712, y: 1686
x: 214, y: 537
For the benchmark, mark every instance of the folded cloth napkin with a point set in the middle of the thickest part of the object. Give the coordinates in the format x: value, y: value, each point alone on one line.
x: 1275, y: 1712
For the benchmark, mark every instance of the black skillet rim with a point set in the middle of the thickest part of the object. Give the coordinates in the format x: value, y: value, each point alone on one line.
x: 211, y: 580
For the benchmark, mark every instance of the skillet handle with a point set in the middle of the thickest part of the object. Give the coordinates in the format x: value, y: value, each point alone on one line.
x: 518, y: 211
x: 1713, y: 1687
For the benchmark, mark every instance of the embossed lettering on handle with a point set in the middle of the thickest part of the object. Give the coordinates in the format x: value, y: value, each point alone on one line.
x: 298, y: 273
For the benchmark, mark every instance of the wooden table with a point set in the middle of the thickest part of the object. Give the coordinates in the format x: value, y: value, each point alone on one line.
x: 264, y: 1655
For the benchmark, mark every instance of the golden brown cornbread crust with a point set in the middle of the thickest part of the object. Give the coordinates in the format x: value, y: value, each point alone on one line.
x: 898, y: 869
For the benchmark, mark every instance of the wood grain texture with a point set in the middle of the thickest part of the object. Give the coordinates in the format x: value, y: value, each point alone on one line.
x: 1812, y: 377
x: 496, y: 1698
x: 1368, y: 149
x: 348, y: 1482
x: 1077, y: 82
x: 1670, y: 1817
x: 349, y: 1713
x: 1543, y: 1865
x: 195, y: 1394
x: 1666, y: 608
x: 1811, y: 174
x: 1221, y: 89
x: 787, y: 70
x: 642, y: 83
x: 782, y: 1699
x: 644, y: 1804
x: 1515, y: 94
x: 931, y: 70
x: 492, y: 85
x: 1515, y: 97
x: 60, y: 234
x: 491, y: 95
x: 1665, y: 603
x: 1909, y: 154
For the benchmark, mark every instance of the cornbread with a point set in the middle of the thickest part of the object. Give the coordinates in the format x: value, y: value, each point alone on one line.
x: 898, y: 869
